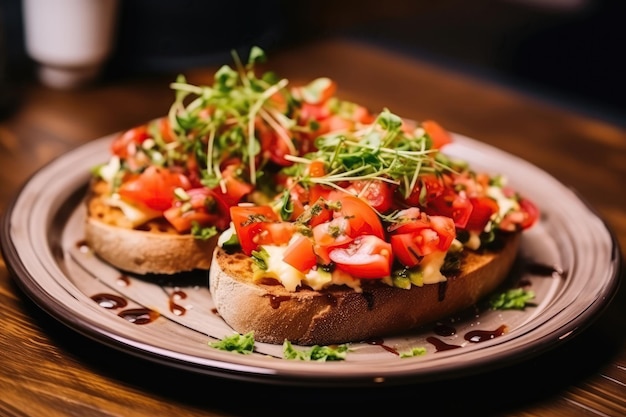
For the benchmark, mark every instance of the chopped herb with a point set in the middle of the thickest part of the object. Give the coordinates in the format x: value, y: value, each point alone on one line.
x: 203, y: 233
x: 416, y: 351
x: 238, y: 343
x: 513, y: 299
x: 315, y: 353
x: 260, y: 258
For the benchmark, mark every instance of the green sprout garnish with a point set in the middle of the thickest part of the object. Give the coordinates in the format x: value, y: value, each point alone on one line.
x: 381, y: 151
x: 224, y: 115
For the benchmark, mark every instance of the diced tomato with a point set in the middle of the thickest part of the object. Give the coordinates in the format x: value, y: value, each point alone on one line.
x: 204, y: 207
x: 194, y: 171
x: 444, y: 226
x: 451, y: 204
x: 297, y: 194
x: 417, y: 235
x: 236, y: 188
x: 276, y: 143
x: 124, y: 145
x: 410, y: 220
x: 183, y: 221
x: 531, y: 213
x: 437, y: 134
x: 406, y: 249
x: 376, y: 193
x: 310, y: 112
x: 316, y: 169
x: 336, y: 232
x: 363, y: 219
x: 259, y: 225
x: 427, y: 188
x: 316, y: 213
x: 165, y: 128
x: 367, y: 257
x: 276, y: 233
x: 154, y: 187
x: 300, y: 254
x: 482, y: 210
x: 524, y: 218
x: 335, y: 123
x: 317, y: 191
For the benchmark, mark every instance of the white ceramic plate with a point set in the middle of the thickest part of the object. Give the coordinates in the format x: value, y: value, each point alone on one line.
x: 570, y: 260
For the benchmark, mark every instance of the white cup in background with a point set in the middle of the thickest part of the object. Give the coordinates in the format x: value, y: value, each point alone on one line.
x: 69, y: 39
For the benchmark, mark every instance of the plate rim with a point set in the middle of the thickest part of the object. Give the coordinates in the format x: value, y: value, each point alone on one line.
x: 216, y: 367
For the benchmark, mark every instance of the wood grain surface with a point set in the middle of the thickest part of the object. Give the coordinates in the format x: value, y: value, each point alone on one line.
x: 47, y: 369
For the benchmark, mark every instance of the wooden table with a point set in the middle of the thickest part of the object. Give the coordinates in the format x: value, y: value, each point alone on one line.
x: 48, y: 369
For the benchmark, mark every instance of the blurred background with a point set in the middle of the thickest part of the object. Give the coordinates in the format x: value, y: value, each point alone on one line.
x: 568, y: 51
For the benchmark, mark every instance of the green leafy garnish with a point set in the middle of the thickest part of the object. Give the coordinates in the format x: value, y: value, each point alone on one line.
x: 238, y: 343
x: 236, y: 101
x: 512, y: 299
x: 315, y: 353
x: 381, y: 151
x: 203, y: 233
x: 416, y: 351
x: 260, y: 258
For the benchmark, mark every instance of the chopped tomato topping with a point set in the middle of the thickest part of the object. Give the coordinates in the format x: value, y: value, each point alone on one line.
x: 300, y: 254
x: 362, y: 218
x: 203, y: 207
x: 154, y: 187
x: 437, y: 134
x: 367, y: 257
x: 259, y: 225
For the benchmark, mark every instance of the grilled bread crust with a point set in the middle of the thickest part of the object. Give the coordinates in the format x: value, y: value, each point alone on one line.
x: 339, y: 314
x: 153, y: 248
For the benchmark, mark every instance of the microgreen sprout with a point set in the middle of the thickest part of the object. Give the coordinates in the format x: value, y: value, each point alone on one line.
x: 381, y: 151
x: 223, y: 117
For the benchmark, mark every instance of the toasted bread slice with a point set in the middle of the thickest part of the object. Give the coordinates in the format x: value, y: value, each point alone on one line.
x: 154, y: 247
x: 340, y: 314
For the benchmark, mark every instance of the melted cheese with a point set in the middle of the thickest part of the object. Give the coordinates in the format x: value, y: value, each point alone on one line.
x: 107, y: 172
x: 286, y: 274
x: 135, y: 214
x: 505, y: 204
x: 431, y: 268
x: 291, y: 278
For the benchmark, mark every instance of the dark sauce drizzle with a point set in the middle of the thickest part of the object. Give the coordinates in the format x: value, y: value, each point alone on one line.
x: 473, y: 336
x: 381, y: 343
x: 174, y: 306
x: 109, y: 301
x: 477, y: 336
x: 82, y: 246
x: 142, y: 316
x: 123, y: 281
x: 139, y: 315
x: 440, y: 345
x: 133, y: 315
x: 545, y: 270
x: 441, y: 293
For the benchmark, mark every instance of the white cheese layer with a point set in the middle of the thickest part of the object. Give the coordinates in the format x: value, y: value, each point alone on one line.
x: 291, y: 278
x: 135, y: 214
